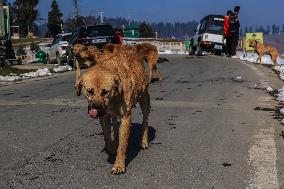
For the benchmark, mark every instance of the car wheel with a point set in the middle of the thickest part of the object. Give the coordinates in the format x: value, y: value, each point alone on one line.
x: 48, y: 59
x: 190, y: 50
x: 199, y: 50
x: 58, y: 60
x: 218, y: 53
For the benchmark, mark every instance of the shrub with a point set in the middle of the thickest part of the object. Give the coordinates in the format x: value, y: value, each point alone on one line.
x: 34, y: 47
x: 21, y: 50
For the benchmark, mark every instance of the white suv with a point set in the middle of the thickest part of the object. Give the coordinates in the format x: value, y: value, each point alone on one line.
x: 209, y: 36
x: 57, y: 50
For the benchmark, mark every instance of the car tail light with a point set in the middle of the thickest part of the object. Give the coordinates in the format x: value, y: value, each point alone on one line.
x: 206, y: 42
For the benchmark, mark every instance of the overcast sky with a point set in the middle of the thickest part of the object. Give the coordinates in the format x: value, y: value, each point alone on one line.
x: 253, y: 12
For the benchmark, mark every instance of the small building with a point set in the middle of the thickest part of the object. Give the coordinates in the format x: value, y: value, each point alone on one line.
x: 131, y: 31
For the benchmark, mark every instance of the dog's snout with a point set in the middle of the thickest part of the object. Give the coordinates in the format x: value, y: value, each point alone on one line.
x: 95, y: 105
x: 100, y: 108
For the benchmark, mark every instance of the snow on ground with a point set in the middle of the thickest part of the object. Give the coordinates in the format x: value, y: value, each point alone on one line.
x: 266, y: 59
x: 252, y: 57
x: 172, y: 52
x: 61, y: 69
x: 269, y: 89
x: 280, y: 97
x: 39, y: 73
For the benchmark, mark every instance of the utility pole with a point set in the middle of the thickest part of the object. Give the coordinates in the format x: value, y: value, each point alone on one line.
x: 102, y: 19
x: 76, y: 10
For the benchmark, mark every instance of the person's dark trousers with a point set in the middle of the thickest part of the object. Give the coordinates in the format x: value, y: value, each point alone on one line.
x: 235, y: 39
x: 228, y: 45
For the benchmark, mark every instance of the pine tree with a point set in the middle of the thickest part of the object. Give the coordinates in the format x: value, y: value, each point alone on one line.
x: 241, y: 32
x: 54, y: 20
x: 246, y: 30
x: 251, y: 29
x: 24, y: 13
x: 261, y: 29
x: 268, y: 30
x: 274, y: 29
x: 164, y: 29
x: 145, y: 30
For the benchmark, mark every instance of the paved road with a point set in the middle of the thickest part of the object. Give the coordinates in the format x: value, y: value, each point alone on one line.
x: 212, y: 126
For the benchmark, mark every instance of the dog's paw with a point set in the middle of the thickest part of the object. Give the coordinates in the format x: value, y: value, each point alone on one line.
x: 144, y: 145
x: 118, y: 169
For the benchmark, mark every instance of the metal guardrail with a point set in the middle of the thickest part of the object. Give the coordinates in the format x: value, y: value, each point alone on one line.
x: 162, y: 45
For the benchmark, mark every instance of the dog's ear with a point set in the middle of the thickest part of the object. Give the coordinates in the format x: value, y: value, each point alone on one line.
x: 109, y: 48
x: 84, y: 47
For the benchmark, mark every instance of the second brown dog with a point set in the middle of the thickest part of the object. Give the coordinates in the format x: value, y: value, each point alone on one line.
x: 262, y: 49
x: 145, y: 51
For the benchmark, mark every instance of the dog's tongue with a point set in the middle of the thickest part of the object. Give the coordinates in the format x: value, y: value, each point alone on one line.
x: 93, y: 113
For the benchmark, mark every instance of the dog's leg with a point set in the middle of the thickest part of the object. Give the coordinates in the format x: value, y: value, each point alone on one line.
x: 150, y: 71
x: 155, y: 61
x: 158, y: 72
x: 274, y: 60
x: 115, y: 132
x: 152, y: 61
x: 258, y: 60
x: 119, y: 166
x: 106, y: 126
x: 145, y: 107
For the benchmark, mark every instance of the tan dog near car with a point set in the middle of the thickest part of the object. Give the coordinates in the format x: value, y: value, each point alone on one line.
x: 78, y: 49
x: 262, y: 49
x: 145, y: 51
x: 112, y: 87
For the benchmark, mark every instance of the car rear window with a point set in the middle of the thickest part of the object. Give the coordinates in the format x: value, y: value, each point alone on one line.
x: 95, y: 31
x: 215, y: 26
x: 66, y: 38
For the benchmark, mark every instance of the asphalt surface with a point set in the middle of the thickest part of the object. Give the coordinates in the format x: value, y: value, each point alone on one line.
x: 211, y: 126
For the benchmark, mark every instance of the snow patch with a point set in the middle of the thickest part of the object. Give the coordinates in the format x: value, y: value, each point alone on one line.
x: 43, y: 72
x: 61, y: 69
x: 266, y: 59
x: 172, y: 52
x: 269, y: 89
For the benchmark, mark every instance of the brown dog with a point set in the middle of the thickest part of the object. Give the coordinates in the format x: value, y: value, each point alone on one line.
x: 112, y: 87
x: 79, y: 51
x: 145, y: 51
x: 262, y: 49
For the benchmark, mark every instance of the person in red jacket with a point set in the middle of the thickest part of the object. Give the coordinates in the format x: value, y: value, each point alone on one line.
x: 235, y: 28
x: 119, y: 37
x: 227, y: 33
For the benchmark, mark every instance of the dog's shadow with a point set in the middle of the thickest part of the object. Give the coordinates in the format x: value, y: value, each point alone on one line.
x: 133, y: 148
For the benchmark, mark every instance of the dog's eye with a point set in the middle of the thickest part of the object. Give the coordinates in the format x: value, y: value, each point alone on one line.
x: 90, y: 92
x: 105, y: 92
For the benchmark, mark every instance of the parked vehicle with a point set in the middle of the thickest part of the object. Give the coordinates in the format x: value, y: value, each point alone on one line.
x: 209, y: 36
x: 57, y: 50
x: 98, y: 35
